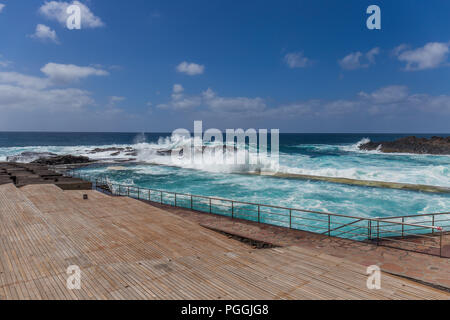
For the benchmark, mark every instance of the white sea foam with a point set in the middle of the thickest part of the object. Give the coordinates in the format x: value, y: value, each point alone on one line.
x: 353, y: 163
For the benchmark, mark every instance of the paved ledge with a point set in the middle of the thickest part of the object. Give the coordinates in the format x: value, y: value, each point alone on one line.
x: 24, y: 174
x: 357, y: 182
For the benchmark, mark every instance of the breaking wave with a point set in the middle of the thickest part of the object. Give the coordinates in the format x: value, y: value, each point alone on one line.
x: 331, y: 160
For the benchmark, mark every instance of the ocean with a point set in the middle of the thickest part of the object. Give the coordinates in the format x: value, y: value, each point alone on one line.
x: 333, y: 155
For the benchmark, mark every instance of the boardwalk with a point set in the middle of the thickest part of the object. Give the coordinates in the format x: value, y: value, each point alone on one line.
x: 127, y: 249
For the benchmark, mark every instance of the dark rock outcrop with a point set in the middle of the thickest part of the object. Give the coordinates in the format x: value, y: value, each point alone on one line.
x: 111, y: 149
x: 29, y: 156
x: 435, y: 145
x: 205, y: 149
x: 65, y: 159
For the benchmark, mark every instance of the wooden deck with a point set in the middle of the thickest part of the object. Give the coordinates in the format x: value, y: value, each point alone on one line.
x: 127, y: 249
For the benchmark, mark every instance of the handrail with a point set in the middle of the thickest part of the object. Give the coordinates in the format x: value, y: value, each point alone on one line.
x: 288, y: 208
x: 268, y: 205
x: 345, y: 225
x: 375, y: 227
x: 415, y: 215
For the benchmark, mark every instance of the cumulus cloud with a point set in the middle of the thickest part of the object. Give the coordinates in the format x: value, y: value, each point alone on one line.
x: 178, y: 88
x: 430, y: 56
x: 44, y: 33
x: 389, y: 101
x: 358, y: 60
x: 232, y: 104
x: 372, y: 53
x: 211, y: 101
x: 296, y: 60
x: 66, y: 73
x: 29, y: 102
x: 56, y: 74
x: 25, y: 92
x: 56, y: 10
x: 385, y: 95
x: 22, y: 80
x: 190, y: 68
x: 27, y: 98
x: 2, y: 6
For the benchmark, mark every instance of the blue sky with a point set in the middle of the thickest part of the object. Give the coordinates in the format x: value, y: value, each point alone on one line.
x: 300, y: 66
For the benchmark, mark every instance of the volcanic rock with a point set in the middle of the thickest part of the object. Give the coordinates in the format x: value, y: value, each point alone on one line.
x: 434, y: 145
x: 29, y: 156
x: 65, y: 159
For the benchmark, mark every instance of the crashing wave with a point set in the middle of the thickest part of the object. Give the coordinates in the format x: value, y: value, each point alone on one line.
x: 188, y: 153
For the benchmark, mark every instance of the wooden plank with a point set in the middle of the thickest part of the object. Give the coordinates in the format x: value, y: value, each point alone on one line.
x: 127, y: 249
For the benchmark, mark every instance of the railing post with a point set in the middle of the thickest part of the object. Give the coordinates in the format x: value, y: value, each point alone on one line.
x: 149, y: 195
x: 175, y: 199
x: 210, y: 206
x: 192, y: 204
x: 232, y: 209
x: 329, y: 225
x: 259, y: 213
x: 440, y: 243
x: 403, y: 227
x: 378, y: 232
x: 290, y: 219
x: 128, y: 191
x: 161, y: 197
x: 369, y: 224
x: 139, y: 193
x: 432, y: 232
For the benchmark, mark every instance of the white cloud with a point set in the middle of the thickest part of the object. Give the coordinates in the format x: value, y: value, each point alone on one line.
x: 24, y: 81
x: 390, y: 101
x: 57, y: 74
x: 44, y: 33
x: 190, y: 68
x: 372, y: 53
x: 211, y: 101
x: 233, y: 104
x: 351, y: 61
x: 386, y: 95
x: 56, y: 10
x: 65, y: 73
x: 4, y: 63
x: 28, y: 98
x: 179, y: 101
x: 358, y: 60
x: 397, y: 50
x: 178, y: 88
x: 1, y: 7
x: 26, y: 93
x: 32, y: 103
x: 430, y: 56
x: 296, y: 60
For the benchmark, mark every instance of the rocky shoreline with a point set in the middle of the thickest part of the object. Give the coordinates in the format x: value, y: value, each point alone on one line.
x: 434, y: 145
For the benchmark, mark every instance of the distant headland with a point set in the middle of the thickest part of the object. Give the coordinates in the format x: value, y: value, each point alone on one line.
x: 434, y: 145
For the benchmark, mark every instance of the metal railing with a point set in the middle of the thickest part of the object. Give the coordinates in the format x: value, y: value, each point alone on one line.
x: 398, y: 232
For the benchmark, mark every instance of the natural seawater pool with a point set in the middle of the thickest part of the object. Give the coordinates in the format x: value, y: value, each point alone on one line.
x: 333, y: 155
x: 309, y: 195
